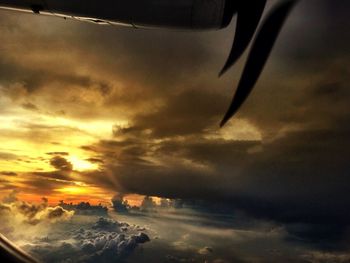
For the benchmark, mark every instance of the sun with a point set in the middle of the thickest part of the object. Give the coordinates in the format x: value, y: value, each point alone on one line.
x: 81, y: 164
x: 73, y: 190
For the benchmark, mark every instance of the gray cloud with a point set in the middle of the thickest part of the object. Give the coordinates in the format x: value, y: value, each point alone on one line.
x: 8, y: 173
x: 61, y: 163
x: 103, y: 242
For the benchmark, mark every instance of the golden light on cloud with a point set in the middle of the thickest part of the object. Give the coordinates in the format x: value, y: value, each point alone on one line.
x: 81, y: 165
x: 136, y: 199
x: 237, y: 129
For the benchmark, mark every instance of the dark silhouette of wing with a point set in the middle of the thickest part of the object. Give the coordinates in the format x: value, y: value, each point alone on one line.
x: 249, y: 14
x: 10, y: 253
x: 259, y: 54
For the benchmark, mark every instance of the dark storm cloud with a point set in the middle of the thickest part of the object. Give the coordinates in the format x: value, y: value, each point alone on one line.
x: 185, y: 113
x: 55, y: 175
x: 289, y: 162
x: 299, y: 179
x: 119, y: 204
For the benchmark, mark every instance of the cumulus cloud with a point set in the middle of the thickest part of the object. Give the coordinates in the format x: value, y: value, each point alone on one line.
x: 104, y: 241
x: 119, y: 204
x: 56, y: 213
x: 109, y: 225
x: 42, y: 231
x: 15, y: 212
x: 85, y: 208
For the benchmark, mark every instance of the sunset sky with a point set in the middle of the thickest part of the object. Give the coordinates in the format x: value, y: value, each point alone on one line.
x: 88, y: 112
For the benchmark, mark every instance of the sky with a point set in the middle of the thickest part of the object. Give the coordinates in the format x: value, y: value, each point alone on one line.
x: 89, y: 112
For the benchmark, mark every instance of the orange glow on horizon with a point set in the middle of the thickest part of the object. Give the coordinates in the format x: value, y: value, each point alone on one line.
x: 54, y: 199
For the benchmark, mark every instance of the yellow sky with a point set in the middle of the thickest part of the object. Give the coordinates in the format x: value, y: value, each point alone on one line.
x: 28, y: 150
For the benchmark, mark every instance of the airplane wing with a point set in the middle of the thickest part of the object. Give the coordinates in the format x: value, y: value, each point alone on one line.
x: 258, y: 56
x: 10, y: 253
x: 178, y: 14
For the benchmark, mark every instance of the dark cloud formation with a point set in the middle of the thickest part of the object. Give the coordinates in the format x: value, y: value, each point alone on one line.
x: 8, y: 173
x: 44, y: 183
x: 119, y: 204
x: 299, y: 178
x: 61, y: 163
x: 108, y: 225
x: 30, y: 106
x: 85, y: 208
x: 95, y: 160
